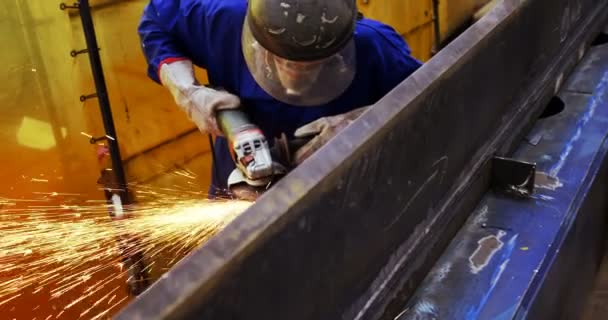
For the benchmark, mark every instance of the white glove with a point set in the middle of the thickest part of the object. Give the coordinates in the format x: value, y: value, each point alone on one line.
x: 323, y: 130
x: 200, y: 103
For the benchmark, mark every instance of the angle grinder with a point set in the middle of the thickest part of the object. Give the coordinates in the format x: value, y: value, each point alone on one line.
x: 257, y: 165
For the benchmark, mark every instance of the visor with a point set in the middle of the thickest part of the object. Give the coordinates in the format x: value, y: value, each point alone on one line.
x: 301, y: 83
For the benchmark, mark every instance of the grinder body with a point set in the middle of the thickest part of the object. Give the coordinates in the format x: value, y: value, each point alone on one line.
x: 248, y: 145
x: 255, y: 168
x: 257, y: 164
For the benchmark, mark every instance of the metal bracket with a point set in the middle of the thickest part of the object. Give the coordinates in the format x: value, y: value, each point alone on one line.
x: 94, y: 140
x: 74, y: 53
x: 84, y: 98
x: 513, y: 176
x: 63, y: 6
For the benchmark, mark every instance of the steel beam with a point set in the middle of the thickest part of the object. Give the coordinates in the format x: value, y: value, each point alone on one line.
x: 535, y: 259
x: 350, y: 233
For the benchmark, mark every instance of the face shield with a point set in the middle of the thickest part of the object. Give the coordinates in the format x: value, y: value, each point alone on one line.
x: 302, y: 83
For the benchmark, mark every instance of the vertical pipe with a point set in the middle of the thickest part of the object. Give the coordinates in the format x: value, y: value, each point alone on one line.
x: 436, y: 26
x: 138, y: 279
x: 102, y: 95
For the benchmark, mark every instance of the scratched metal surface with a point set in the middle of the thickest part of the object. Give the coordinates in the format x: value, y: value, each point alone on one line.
x: 535, y: 258
x: 352, y: 231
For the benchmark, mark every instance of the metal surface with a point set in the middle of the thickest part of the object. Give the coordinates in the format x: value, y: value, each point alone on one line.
x: 535, y: 258
x: 350, y: 233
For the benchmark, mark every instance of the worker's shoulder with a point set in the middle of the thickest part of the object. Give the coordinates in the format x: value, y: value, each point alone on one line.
x: 378, y: 34
x: 199, y: 8
x: 212, y: 7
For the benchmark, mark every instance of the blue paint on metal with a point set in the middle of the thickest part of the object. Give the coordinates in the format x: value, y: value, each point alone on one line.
x: 503, y: 260
x: 597, y: 99
x: 507, y: 314
x: 572, y: 149
x: 426, y: 308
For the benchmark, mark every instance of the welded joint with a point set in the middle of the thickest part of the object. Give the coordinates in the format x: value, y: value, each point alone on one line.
x: 513, y: 177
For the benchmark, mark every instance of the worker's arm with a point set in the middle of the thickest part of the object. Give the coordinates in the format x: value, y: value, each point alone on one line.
x: 161, y: 31
x: 159, y: 36
x: 389, y: 56
x: 200, y: 103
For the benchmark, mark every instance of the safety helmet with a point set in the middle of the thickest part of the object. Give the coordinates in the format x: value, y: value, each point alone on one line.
x: 301, y: 52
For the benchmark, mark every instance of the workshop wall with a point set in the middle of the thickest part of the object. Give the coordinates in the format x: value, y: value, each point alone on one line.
x: 157, y: 142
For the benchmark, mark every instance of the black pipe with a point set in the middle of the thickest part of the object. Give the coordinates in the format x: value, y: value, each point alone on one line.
x: 436, y: 27
x: 104, y: 101
x: 216, y: 174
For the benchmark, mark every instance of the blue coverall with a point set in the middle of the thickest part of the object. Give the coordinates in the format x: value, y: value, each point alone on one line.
x: 208, y: 32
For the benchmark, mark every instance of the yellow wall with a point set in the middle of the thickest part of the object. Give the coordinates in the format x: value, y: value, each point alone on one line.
x: 43, y: 117
x: 155, y: 136
x: 413, y: 19
x: 46, y: 163
x: 454, y: 13
x: 41, y: 121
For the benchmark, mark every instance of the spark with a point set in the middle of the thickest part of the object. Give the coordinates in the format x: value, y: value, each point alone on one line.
x: 75, y: 254
x: 108, y: 310
x: 9, y: 299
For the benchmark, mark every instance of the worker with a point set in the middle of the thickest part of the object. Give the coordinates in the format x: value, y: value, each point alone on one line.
x: 299, y: 67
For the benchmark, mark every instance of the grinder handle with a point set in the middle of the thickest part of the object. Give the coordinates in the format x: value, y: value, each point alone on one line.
x: 233, y: 121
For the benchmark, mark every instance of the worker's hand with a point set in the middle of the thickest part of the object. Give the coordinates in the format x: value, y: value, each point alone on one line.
x: 323, y: 130
x: 200, y: 103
